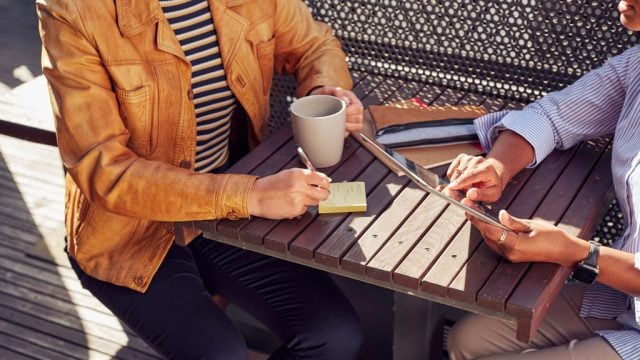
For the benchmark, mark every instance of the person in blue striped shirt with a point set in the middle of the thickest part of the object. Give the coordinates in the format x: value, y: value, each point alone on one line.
x: 596, y: 321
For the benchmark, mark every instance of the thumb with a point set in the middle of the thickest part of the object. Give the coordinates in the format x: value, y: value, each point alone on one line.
x: 488, y: 194
x: 513, y: 223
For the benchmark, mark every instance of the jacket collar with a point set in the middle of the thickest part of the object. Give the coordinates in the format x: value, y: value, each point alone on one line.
x: 136, y: 15
x: 230, y: 27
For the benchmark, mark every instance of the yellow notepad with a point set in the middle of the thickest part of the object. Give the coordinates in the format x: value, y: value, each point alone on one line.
x: 344, y: 197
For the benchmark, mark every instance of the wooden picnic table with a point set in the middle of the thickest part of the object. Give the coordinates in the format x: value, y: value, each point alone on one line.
x: 414, y: 243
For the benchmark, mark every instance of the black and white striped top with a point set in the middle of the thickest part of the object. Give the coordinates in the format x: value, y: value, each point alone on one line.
x: 605, y: 101
x: 213, y: 100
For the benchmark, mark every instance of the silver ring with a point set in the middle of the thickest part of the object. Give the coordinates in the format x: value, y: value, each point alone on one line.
x: 503, y: 237
x: 458, y: 171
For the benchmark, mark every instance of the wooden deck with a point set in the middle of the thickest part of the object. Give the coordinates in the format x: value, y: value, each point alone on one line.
x: 44, y: 312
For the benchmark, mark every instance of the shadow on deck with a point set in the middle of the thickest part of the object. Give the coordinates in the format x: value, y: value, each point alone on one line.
x: 44, y: 312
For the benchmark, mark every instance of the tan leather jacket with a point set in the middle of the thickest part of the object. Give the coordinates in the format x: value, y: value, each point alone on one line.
x: 121, y: 92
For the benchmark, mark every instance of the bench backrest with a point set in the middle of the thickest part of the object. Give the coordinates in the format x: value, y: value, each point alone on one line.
x: 512, y: 49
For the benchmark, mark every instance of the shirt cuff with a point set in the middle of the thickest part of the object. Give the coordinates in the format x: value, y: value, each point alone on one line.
x: 532, y: 127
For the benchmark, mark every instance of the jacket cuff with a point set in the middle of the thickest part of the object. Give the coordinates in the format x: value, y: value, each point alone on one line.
x: 231, y: 200
x: 305, y: 87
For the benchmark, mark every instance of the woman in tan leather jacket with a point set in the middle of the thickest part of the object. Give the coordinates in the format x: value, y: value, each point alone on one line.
x: 134, y: 86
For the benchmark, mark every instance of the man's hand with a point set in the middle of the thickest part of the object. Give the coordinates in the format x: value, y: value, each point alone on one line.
x: 354, y: 106
x: 287, y: 194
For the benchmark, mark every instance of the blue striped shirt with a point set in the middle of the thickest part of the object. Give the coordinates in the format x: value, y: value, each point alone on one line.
x: 214, y: 102
x: 605, y: 101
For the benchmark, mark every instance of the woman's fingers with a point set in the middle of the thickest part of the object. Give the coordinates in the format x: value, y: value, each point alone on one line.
x: 317, y: 179
x: 354, y: 111
x: 453, y: 168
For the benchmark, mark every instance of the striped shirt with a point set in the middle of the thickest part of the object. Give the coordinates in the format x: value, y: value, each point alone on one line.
x: 214, y: 102
x: 605, y: 101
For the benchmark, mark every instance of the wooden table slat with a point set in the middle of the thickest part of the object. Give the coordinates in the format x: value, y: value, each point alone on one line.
x: 449, y: 97
x: 366, y: 85
x: 555, y: 203
x: 493, y: 104
x: 408, y: 90
x: 381, y: 92
x: 324, y: 225
x: 452, y: 260
x: 337, y: 244
x: 398, y: 246
x: 429, y: 94
x: 384, y: 226
x: 429, y: 247
x: 262, y: 152
x: 471, y: 99
x: 355, y: 160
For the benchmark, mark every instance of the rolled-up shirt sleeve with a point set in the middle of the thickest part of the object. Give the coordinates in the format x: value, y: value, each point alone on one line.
x: 533, y: 128
x: 587, y: 109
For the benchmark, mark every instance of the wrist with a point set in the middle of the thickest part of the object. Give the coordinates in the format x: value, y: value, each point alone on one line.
x: 578, y: 252
x: 253, y: 199
x: 501, y: 171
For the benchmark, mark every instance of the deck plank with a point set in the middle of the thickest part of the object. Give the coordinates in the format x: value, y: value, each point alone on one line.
x: 44, y: 311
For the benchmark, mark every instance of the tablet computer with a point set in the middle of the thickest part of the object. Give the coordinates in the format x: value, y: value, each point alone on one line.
x: 432, y: 182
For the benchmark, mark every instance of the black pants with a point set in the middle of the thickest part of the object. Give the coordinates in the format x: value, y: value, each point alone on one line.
x: 178, y: 318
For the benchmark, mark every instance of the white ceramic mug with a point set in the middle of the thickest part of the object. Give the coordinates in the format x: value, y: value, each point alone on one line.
x: 318, y: 123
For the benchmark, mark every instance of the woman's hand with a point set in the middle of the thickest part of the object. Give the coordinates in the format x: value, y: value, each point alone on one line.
x: 531, y: 240
x: 354, y: 106
x: 287, y: 194
x: 477, y: 177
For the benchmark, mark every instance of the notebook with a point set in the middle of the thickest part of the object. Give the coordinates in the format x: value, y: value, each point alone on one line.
x: 345, y: 197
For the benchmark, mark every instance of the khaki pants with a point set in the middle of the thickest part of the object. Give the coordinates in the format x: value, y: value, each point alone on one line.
x: 562, y: 335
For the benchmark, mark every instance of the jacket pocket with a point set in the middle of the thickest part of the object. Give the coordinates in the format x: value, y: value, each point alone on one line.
x: 265, y: 52
x: 81, y: 207
x: 135, y: 110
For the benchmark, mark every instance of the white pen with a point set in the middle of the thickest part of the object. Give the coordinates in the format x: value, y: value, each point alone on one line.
x: 304, y: 158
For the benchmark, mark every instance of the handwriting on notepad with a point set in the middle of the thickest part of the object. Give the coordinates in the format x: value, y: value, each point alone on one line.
x: 345, y: 197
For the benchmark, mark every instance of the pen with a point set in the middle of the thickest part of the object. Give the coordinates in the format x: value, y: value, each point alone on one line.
x: 304, y: 158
